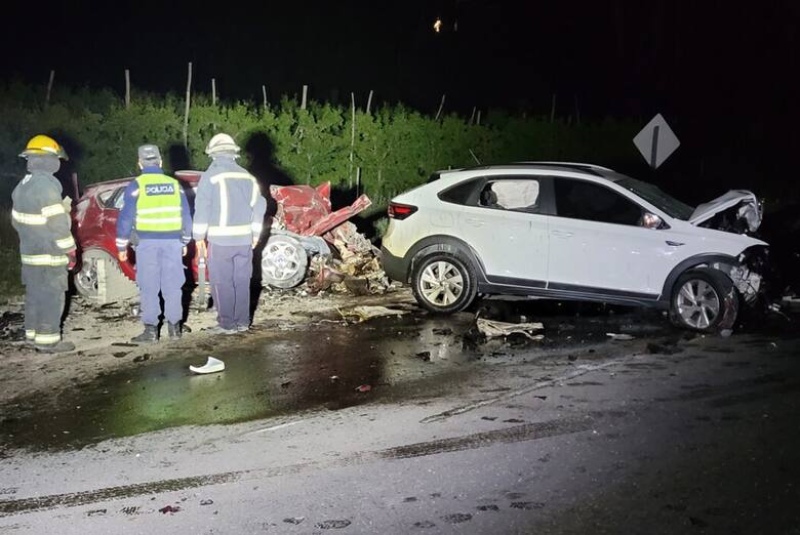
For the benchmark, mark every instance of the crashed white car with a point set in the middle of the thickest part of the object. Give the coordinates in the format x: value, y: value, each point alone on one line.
x: 574, y: 231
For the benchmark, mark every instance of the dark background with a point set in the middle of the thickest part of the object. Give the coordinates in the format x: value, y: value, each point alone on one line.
x: 721, y: 73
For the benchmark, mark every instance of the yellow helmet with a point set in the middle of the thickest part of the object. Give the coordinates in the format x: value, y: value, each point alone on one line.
x: 44, y: 145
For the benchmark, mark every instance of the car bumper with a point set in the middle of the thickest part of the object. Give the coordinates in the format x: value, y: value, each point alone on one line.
x: 395, y: 267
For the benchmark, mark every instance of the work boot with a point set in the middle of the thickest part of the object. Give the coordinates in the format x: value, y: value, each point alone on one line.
x: 218, y: 329
x: 150, y: 334
x: 59, y: 347
x: 174, y: 330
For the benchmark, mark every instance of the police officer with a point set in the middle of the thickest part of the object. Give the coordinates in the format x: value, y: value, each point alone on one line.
x: 228, y: 210
x: 46, y: 245
x: 156, y: 206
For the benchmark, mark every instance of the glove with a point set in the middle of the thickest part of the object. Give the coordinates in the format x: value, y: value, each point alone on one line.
x: 72, y: 260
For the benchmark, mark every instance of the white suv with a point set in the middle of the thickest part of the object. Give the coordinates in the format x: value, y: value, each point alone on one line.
x: 574, y: 231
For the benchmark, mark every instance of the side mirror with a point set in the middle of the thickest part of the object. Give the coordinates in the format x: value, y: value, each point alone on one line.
x: 652, y: 221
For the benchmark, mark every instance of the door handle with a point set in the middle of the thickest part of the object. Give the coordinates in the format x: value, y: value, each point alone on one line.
x: 561, y: 233
x: 674, y: 243
x: 474, y: 221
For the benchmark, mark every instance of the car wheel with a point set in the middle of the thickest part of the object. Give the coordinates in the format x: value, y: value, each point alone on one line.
x: 443, y: 283
x: 283, y: 262
x: 100, y: 279
x: 704, y: 300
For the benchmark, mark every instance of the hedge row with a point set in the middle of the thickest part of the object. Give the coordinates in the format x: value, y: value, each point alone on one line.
x: 394, y: 147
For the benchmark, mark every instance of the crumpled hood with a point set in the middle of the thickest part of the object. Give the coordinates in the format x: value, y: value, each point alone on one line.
x: 748, y: 209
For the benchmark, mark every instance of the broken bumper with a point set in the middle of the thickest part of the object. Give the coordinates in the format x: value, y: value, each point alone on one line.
x: 395, y: 267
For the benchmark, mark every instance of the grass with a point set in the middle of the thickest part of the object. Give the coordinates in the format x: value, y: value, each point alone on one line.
x: 10, y: 281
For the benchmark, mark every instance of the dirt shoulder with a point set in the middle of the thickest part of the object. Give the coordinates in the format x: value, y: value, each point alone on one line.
x: 102, y: 335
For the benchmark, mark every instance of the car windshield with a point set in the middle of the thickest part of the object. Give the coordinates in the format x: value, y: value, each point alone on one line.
x: 652, y: 194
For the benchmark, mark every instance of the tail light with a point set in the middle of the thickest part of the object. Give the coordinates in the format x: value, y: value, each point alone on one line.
x: 400, y: 211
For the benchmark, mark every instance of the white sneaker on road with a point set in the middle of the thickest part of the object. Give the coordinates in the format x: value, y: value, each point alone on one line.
x: 212, y: 365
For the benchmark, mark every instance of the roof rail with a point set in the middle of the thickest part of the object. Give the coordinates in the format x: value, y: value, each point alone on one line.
x: 570, y: 164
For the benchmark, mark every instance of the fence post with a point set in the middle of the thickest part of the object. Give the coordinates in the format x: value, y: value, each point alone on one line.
x: 127, y: 89
x: 49, y: 88
x: 186, y: 114
x: 352, y: 137
x: 441, y: 105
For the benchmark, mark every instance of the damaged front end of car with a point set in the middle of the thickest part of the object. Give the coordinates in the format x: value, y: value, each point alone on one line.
x: 739, y: 212
x: 748, y: 273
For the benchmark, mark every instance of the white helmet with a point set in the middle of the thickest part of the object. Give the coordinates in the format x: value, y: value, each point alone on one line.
x: 222, y: 143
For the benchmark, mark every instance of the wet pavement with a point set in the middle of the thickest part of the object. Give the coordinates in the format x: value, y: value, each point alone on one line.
x: 575, y: 433
x: 277, y: 371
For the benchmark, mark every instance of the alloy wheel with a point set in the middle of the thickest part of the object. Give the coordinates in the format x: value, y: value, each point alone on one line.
x: 698, y: 304
x: 441, y: 283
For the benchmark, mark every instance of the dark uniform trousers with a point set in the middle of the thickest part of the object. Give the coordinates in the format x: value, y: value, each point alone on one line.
x: 45, y: 293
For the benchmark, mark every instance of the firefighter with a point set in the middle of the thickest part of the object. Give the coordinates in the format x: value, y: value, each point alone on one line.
x: 46, y: 245
x: 155, y: 206
x: 229, y: 212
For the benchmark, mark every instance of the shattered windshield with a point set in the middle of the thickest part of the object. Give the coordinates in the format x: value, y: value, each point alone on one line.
x: 652, y: 194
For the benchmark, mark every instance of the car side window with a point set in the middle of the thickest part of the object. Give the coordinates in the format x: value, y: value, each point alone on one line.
x: 119, y: 201
x: 516, y: 194
x: 460, y: 193
x: 580, y: 199
x: 117, y: 198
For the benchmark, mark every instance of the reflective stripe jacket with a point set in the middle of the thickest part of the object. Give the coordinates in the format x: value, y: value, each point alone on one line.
x: 42, y: 221
x: 156, y: 205
x: 228, y: 207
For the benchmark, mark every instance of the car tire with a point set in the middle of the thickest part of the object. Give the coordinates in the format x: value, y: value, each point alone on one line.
x: 117, y: 287
x: 704, y: 300
x: 284, y: 262
x: 443, y: 283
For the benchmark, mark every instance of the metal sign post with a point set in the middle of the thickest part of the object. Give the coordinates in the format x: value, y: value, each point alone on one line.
x: 656, y: 141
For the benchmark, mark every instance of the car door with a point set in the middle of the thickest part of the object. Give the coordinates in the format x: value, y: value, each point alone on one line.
x: 506, y: 228
x: 597, y: 242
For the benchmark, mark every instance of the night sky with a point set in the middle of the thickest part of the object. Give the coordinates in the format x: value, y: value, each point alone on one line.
x: 722, y: 73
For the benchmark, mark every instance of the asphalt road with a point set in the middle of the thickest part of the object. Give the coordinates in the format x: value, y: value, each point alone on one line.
x: 660, y: 434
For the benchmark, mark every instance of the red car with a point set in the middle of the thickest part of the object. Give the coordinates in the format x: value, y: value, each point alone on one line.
x: 99, y: 275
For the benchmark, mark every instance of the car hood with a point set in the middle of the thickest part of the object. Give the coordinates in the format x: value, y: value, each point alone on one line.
x: 742, y: 205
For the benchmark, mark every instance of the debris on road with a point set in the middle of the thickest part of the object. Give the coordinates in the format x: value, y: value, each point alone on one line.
x: 668, y: 347
x: 11, y: 326
x: 169, y: 509
x: 425, y: 356
x: 791, y: 303
x: 618, y: 336
x: 363, y: 388
x: 491, y: 328
x: 333, y: 524
x: 212, y: 365
x: 365, y: 312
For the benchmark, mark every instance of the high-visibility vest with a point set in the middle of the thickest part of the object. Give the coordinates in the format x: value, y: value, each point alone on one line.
x: 158, y: 206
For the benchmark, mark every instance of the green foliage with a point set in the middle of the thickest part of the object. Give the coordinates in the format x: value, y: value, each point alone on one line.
x: 395, y: 148
x: 10, y: 281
